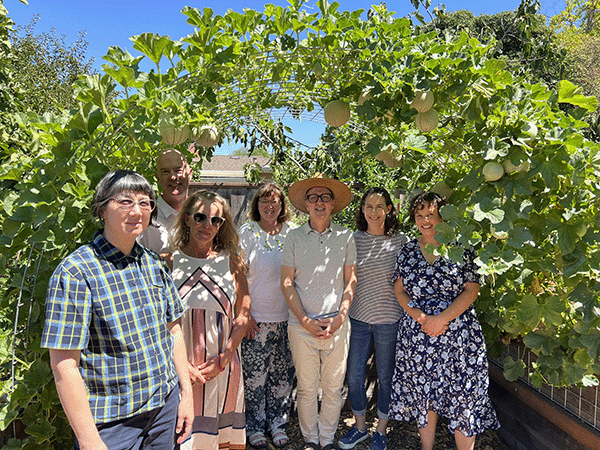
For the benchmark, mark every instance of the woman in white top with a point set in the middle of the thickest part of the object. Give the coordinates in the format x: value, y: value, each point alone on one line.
x: 374, y: 313
x: 266, y: 358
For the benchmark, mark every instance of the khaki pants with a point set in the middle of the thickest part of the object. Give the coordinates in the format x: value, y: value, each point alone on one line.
x: 319, y: 364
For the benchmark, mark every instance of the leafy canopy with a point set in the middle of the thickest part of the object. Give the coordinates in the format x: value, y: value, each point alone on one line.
x: 238, y: 72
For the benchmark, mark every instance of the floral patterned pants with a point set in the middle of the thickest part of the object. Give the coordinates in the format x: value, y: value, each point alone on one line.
x: 268, y: 376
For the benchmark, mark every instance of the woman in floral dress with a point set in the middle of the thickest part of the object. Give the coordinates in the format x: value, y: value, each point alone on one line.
x: 441, y: 360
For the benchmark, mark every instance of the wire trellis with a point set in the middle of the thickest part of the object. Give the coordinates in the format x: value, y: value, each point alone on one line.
x: 581, y: 402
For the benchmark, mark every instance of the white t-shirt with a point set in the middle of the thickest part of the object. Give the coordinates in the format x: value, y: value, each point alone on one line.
x: 157, y: 238
x: 262, y: 253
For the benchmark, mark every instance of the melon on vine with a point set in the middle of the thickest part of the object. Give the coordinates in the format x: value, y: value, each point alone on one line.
x: 318, y: 68
x: 509, y: 167
x: 171, y: 135
x: 492, y: 171
x: 389, y: 160
x: 427, y: 121
x: 442, y: 188
x: 207, y: 136
x: 337, y: 113
x: 530, y: 130
x: 423, y: 101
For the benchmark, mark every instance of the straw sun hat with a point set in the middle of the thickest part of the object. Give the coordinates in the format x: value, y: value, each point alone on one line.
x: 341, y: 193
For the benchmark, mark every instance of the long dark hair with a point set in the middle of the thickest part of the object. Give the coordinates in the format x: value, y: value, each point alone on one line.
x: 391, y: 219
x: 422, y: 199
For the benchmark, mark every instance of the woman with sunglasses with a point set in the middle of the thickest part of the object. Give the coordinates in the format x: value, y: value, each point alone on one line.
x: 267, y: 359
x: 210, y: 276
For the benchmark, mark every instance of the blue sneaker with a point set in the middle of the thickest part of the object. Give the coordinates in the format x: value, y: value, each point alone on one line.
x: 352, y: 437
x: 378, y: 441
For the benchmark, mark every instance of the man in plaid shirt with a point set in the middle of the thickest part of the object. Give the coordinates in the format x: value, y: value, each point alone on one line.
x: 116, y: 347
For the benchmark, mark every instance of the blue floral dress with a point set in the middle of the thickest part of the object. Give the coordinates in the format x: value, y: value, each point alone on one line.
x: 447, y: 374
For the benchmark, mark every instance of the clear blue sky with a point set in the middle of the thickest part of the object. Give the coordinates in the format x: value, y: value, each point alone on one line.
x: 111, y: 22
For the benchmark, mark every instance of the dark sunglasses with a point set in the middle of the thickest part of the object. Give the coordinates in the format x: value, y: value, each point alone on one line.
x: 215, y: 221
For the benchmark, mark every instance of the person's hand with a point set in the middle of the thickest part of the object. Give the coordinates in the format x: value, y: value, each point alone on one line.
x: 434, y: 325
x: 329, y: 326
x: 185, y: 417
x: 196, y: 376
x: 313, y: 327
x: 210, y: 369
x: 252, y: 328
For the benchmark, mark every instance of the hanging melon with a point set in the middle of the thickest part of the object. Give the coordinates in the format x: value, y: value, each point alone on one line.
x: 509, y: 167
x: 389, y: 160
x: 171, y: 135
x: 442, y: 188
x: 318, y: 68
x: 427, y: 121
x: 207, y: 136
x: 492, y: 171
x: 337, y: 113
x: 423, y: 101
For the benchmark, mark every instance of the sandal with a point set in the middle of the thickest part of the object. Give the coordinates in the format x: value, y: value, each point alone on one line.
x: 280, y: 438
x: 257, y: 439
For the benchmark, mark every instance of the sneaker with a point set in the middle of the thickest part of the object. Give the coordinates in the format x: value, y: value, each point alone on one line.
x: 352, y: 437
x: 378, y: 441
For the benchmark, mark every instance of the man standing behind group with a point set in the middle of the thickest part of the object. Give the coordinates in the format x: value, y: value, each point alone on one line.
x: 318, y: 278
x: 173, y: 174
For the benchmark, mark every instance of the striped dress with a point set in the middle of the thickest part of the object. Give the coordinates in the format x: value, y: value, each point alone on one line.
x: 208, y: 291
x: 374, y: 299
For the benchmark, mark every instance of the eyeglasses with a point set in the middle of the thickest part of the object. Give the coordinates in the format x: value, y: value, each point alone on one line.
x: 215, y: 221
x: 127, y: 204
x: 314, y: 198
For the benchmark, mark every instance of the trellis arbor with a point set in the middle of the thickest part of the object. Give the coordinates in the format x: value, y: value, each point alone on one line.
x: 535, y: 227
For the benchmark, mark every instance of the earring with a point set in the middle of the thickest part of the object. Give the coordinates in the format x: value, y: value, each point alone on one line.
x: 186, y: 234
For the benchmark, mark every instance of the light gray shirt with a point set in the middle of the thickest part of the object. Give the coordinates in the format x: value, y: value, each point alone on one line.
x: 319, y: 260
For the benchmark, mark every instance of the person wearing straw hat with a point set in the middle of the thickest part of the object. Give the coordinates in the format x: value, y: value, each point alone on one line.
x: 318, y: 278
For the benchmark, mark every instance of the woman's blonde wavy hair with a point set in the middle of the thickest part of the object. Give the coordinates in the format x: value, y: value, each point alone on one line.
x: 226, y: 239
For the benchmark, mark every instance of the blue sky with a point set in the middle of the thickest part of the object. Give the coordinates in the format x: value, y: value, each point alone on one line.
x: 111, y: 22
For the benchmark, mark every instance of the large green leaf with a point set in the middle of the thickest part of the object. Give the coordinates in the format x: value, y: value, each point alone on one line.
x: 569, y: 93
x: 513, y: 370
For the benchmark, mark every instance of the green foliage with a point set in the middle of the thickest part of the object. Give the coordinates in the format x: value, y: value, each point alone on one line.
x: 45, y: 64
x: 542, y: 280
x: 521, y: 38
x: 577, y: 29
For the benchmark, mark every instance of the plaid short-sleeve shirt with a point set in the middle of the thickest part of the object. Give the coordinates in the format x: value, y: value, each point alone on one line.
x: 115, y: 309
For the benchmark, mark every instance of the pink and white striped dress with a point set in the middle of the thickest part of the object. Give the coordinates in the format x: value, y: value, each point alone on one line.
x: 208, y: 290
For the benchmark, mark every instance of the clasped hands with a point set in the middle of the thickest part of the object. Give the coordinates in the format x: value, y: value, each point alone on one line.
x: 432, y: 325
x: 205, y: 371
x: 323, y: 328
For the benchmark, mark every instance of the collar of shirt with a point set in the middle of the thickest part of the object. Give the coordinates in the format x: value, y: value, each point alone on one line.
x: 306, y: 228
x: 165, y: 209
x: 111, y: 253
